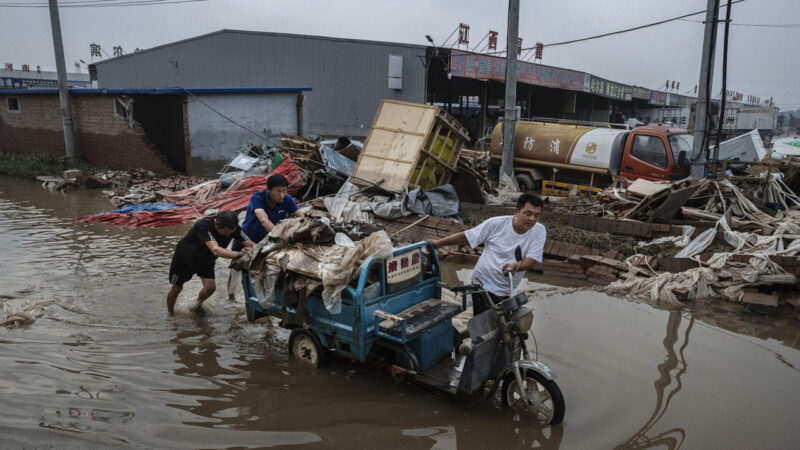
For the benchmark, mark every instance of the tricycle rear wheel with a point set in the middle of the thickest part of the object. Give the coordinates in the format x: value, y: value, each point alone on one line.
x: 304, y: 346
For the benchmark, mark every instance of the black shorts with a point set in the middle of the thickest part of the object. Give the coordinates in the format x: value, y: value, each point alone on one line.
x: 180, y: 272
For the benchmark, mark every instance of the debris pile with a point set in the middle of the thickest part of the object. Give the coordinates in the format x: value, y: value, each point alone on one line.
x: 310, y: 255
x: 205, y: 198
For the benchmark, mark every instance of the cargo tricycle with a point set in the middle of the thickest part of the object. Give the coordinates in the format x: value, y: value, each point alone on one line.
x: 394, y: 312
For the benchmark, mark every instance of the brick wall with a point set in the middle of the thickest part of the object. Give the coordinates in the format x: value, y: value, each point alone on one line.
x: 101, y: 137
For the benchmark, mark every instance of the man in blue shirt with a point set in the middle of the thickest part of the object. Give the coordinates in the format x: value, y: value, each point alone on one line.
x: 266, y: 209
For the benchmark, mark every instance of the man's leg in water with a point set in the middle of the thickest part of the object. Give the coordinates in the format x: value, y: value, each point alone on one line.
x: 172, y: 297
x: 209, y: 286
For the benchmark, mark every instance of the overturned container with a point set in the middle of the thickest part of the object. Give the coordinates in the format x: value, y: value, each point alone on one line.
x: 410, y: 145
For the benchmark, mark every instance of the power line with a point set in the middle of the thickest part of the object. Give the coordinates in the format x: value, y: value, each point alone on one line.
x: 765, y: 25
x: 632, y: 29
x: 661, y: 22
x: 99, y: 3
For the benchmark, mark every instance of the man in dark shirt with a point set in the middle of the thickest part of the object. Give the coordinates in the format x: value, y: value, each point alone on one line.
x: 266, y: 209
x: 197, y: 252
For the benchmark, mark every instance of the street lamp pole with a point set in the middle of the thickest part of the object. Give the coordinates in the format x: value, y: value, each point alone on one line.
x: 427, y: 66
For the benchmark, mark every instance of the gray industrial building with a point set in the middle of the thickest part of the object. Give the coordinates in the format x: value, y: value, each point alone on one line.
x: 345, y: 80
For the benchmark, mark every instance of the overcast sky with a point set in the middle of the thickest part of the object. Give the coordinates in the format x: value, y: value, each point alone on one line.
x: 762, y: 61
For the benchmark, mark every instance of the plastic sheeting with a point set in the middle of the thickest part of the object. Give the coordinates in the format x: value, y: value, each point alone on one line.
x: 335, y: 265
x: 200, y: 199
x: 335, y: 163
x: 441, y: 201
x: 507, y: 192
x: 716, y: 278
x: 151, y: 207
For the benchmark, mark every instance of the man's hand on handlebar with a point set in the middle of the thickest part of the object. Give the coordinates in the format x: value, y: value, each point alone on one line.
x: 513, y: 267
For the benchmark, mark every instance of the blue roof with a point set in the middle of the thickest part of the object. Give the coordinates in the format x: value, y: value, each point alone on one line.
x: 159, y: 91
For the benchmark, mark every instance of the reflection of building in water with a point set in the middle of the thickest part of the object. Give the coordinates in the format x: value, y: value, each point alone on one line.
x: 667, y: 385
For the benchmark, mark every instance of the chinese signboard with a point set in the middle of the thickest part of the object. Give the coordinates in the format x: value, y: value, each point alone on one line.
x: 658, y: 98
x: 26, y: 83
x: 403, y: 266
x: 640, y: 92
x: 485, y: 67
x: 605, y: 88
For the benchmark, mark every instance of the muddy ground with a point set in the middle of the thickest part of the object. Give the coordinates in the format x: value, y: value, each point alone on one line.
x: 105, y: 366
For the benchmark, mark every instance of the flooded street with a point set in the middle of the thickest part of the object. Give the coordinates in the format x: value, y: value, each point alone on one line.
x: 107, y: 367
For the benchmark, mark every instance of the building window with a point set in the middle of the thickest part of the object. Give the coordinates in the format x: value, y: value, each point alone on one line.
x: 13, y: 104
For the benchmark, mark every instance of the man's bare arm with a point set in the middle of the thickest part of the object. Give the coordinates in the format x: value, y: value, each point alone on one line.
x: 262, y: 217
x: 218, y: 251
x: 459, y: 238
x: 524, y: 265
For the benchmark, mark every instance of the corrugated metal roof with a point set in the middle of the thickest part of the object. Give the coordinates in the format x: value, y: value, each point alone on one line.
x: 263, y: 33
x: 349, y: 77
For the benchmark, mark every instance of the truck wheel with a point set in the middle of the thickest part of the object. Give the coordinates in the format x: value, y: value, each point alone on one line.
x: 525, y: 182
x: 547, y: 402
x: 306, y: 347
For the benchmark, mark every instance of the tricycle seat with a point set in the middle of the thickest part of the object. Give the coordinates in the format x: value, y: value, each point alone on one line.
x: 420, y: 317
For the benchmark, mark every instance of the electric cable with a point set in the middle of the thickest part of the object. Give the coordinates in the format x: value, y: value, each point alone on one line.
x: 660, y: 22
x: 99, y: 3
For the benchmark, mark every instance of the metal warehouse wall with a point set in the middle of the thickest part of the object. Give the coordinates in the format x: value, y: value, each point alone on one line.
x: 348, y: 77
x: 215, y: 138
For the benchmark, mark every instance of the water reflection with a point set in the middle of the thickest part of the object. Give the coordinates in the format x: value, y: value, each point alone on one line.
x: 667, y: 386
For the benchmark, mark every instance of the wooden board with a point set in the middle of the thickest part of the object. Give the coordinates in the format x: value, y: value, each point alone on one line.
x: 393, y: 145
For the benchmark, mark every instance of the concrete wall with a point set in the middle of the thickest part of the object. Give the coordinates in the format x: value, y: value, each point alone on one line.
x: 101, y: 137
x: 216, y: 138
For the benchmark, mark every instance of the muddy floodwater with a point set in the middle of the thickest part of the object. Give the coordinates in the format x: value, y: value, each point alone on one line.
x: 105, y: 366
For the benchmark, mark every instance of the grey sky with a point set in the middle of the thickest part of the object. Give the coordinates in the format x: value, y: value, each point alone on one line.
x: 763, y: 61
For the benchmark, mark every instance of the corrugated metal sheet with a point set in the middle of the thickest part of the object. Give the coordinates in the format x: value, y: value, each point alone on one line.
x: 348, y: 77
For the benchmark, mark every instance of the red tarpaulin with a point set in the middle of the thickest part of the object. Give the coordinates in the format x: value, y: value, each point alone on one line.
x: 201, y: 198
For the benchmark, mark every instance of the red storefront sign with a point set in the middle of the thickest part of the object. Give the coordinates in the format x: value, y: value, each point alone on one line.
x: 485, y: 67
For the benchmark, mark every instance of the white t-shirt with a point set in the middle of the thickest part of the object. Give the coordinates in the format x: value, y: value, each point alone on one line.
x: 500, y: 241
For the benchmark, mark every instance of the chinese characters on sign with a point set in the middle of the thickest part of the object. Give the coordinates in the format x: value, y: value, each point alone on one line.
x: 605, y: 88
x: 554, y: 146
x: 403, y: 267
x: 485, y: 67
x: 640, y: 92
x: 94, y: 50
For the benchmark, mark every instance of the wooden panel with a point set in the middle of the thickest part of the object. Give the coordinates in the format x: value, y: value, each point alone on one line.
x: 405, y: 116
x: 393, y: 173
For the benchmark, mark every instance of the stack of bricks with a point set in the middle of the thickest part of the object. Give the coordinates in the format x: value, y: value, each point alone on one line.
x: 563, y: 269
x: 599, y: 274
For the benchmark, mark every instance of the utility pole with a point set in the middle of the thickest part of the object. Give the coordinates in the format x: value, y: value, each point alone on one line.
x: 715, y: 160
x: 510, y: 117
x: 63, y: 88
x: 700, y: 142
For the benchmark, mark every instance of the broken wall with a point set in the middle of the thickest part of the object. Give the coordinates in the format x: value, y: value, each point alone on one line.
x: 102, y: 137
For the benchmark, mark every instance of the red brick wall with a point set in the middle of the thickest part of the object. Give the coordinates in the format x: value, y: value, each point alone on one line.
x: 101, y: 137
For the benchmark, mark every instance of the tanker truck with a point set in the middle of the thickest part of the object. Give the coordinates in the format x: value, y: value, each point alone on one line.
x: 593, y: 155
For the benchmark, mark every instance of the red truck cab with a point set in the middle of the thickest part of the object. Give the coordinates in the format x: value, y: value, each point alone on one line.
x: 656, y: 153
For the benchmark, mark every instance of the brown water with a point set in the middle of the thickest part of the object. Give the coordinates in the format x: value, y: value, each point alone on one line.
x: 106, y: 367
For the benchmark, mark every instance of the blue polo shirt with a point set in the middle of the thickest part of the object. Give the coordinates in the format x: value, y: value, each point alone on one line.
x: 260, y: 200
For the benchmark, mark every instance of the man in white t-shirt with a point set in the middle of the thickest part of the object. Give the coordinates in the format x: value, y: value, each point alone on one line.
x: 501, y: 237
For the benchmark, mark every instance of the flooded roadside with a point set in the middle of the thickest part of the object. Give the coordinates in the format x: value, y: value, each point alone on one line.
x: 105, y: 366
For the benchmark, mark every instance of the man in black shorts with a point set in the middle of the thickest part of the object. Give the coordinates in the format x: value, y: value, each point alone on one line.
x: 197, y: 252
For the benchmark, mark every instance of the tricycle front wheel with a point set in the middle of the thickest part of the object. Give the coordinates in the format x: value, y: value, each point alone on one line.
x: 304, y: 346
x: 546, y: 400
